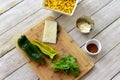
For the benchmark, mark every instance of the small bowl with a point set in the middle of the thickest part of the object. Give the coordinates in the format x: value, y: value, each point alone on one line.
x: 90, y: 47
x: 84, y: 24
x: 70, y: 14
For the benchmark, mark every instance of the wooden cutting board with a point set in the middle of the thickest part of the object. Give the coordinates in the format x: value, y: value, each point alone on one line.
x: 65, y: 45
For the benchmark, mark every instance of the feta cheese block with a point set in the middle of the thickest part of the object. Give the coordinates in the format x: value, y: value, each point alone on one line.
x: 50, y: 31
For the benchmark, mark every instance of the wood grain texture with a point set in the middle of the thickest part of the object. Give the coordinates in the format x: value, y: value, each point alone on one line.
x: 24, y: 73
x: 10, y: 62
x: 117, y: 77
x: 24, y: 10
x: 86, y: 7
x: 65, y: 45
x: 79, y: 1
x: 7, y: 4
x: 111, y: 28
x: 17, y: 14
x: 103, y: 40
x: 109, y: 38
x: 106, y: 67
x: 7, y: 39
x: 102, y: 19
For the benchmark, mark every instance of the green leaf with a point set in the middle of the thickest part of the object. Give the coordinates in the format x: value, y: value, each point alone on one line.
x: 67, y: 64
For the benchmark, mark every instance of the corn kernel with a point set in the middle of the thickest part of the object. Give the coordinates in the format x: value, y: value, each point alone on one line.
x: 61, y: 5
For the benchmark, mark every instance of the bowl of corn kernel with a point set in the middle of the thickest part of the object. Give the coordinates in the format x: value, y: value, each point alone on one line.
x: 63, y: 6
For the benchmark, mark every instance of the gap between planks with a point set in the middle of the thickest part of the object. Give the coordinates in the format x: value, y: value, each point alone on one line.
x: 10, y: 7
x: 27, y: 64
x: 29, y: 16
x: 13, y: 19
x: 100, y: 24
x: 61, y: 16
x: 116, y: 77
x: 93, y: 14
x: 82, y: 10
x: 95, y: 62
x: 106, y: 68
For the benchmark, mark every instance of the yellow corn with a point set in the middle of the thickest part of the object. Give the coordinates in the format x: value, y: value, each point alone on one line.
x: 61, y: 5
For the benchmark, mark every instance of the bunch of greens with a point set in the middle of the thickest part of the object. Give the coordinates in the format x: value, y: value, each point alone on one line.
x: 67, y: 64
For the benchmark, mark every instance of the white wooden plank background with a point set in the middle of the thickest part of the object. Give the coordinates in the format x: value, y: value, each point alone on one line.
x: 105, y: 13
x: 27, y: 75
x: 10, y: 62
x: 87, y: 7
x: 6, y: 24
x: 7, y: 4
x: 102, y: 18
x: 106, y: 67
x: 18, y: 14
x: 107, y: 39
x: 117, y: 77
x: 7, y: 39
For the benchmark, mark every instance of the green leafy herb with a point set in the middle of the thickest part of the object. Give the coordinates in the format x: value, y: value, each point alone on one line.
x: 67, y: 64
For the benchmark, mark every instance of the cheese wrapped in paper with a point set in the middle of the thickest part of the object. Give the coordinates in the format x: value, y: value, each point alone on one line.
x: 50, y: 31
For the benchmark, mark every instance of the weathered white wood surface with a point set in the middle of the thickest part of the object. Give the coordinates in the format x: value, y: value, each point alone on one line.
x: 7, y: 26
x: 86, y: 7
x: 18, y: 13
x: 10, y: 62
x: 7, y: 4
x: 103, y: 18
x: 14, y: 34
x: 109, y: 39
x: 106, y: 67
x: 6, y: 39
x: 24, y: 73
x: 117, y: 77
x: 106, y: 38
x: 23, y: 16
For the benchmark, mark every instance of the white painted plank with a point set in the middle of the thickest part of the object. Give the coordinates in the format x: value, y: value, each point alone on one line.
x: 7, y: 4
x: 10, y: 62
x: 17, y: 14
x: 79, y: 1
x: 7, y: 40
x: 102, y: 19
x: 109, y: 38
x: 24, y: 73
x: 86, y: 7
x: 13, y: 32
x: 7, y: 44
x: 117, y: 77
x: 105, y: 38
x: 107, y: 67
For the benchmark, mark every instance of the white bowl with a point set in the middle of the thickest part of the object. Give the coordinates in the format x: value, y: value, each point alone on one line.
x: 97, y: 43
x: 43, y: 5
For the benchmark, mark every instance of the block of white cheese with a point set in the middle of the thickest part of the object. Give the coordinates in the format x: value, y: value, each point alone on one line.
x: 50, y: 31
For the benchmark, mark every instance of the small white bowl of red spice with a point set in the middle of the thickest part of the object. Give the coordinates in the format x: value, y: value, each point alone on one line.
x: 93, y: 47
